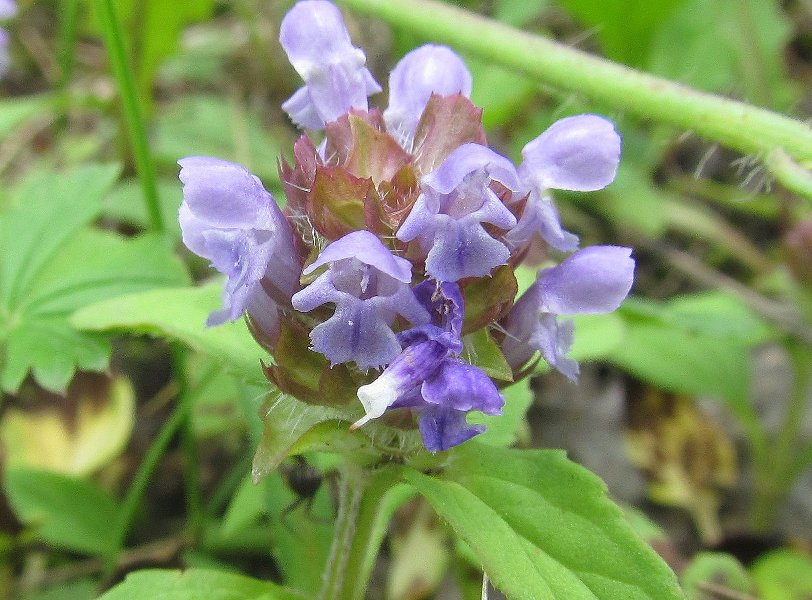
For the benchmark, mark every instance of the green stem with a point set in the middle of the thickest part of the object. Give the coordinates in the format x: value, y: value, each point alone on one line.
x: 114, y: 41
x: 382, y: 497
x: 746, y: 128
x: 195, y: 516
x: 776, y: 473
x: 68, y: 19
x: 801, y: 358
x: 367, y: 499
x: 352, y: 481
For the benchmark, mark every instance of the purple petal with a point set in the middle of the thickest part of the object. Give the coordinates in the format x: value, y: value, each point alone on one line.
x: 228, y: 218
x: 302, y: 111
x: 422, y: 72
x: 367, y: 248
x: 467, y: 159
x: 369, y: 287
x: 4, y: 58
x: 404, y: 374
x: 445, y: 304
x: 443, y: 428
x: 554, y: 339
x: 313, y: 33
x: 356, y: 333
x: 593, y: 280
x: 264, y: 314
x: 458, y: 385
x: 225, y: 194
x: 540, y: 216
x: 446, y: 220
x: 463, y: 249
x: 519, y: 324
x: 579, y: 153
x: 319, y: 48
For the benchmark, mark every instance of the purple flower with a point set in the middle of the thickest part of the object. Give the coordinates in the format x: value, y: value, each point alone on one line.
x: 579, y: 153
x: 593, y: 280
x: 422, y: 72
x: 447, y: 218
x: 319, y: 48
x: 429, y: 377
x: 369, y: 287
x: 228, y: 217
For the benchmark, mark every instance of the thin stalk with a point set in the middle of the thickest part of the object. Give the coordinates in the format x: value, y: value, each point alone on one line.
x: 137, y: 489
x: 68, y: 19
x: 352, y: 481
x: 136, y: 130
x: 195, y: 516
x: 777, y: 472
x: 382, y: 496
x: 785, y: 443
x: 748, y: 129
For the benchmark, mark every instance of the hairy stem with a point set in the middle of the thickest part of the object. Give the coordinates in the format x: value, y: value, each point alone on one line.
x: 352, y: 481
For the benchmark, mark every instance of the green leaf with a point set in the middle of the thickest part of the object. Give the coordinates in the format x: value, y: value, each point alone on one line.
x: 194, y: 584
x: 736, y: 45
x: 152, y: 31
x: 684, y: 361
x: 624, y: 27
x: 80, y: 589
x: 597, y: 336
x: 52, y: 350
x: 719, y: 314
x: 480, y: 350
x: 783, y: 575
x: 96, y: 265
x: 212, y: 126
x: 543, y: 527
x: 51, y: 264
x: 46, y: 209
x: 69, y: 513
x: 304, y: 533
x: 89, y: 266
x: 180, y: 313
x: 161, y: 24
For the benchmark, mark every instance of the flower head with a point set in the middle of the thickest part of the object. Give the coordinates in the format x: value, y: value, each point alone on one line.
x: 407, y: 216
x: 369, y: 287
x: 447, y: 219
x: 228, y: 217
x: 319, y: 47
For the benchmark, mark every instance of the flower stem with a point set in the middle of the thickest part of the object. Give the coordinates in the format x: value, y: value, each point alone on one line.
x: 144, y: 165
x: 352, y: 481
x: 743, y: 127
x: 366, y: 500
